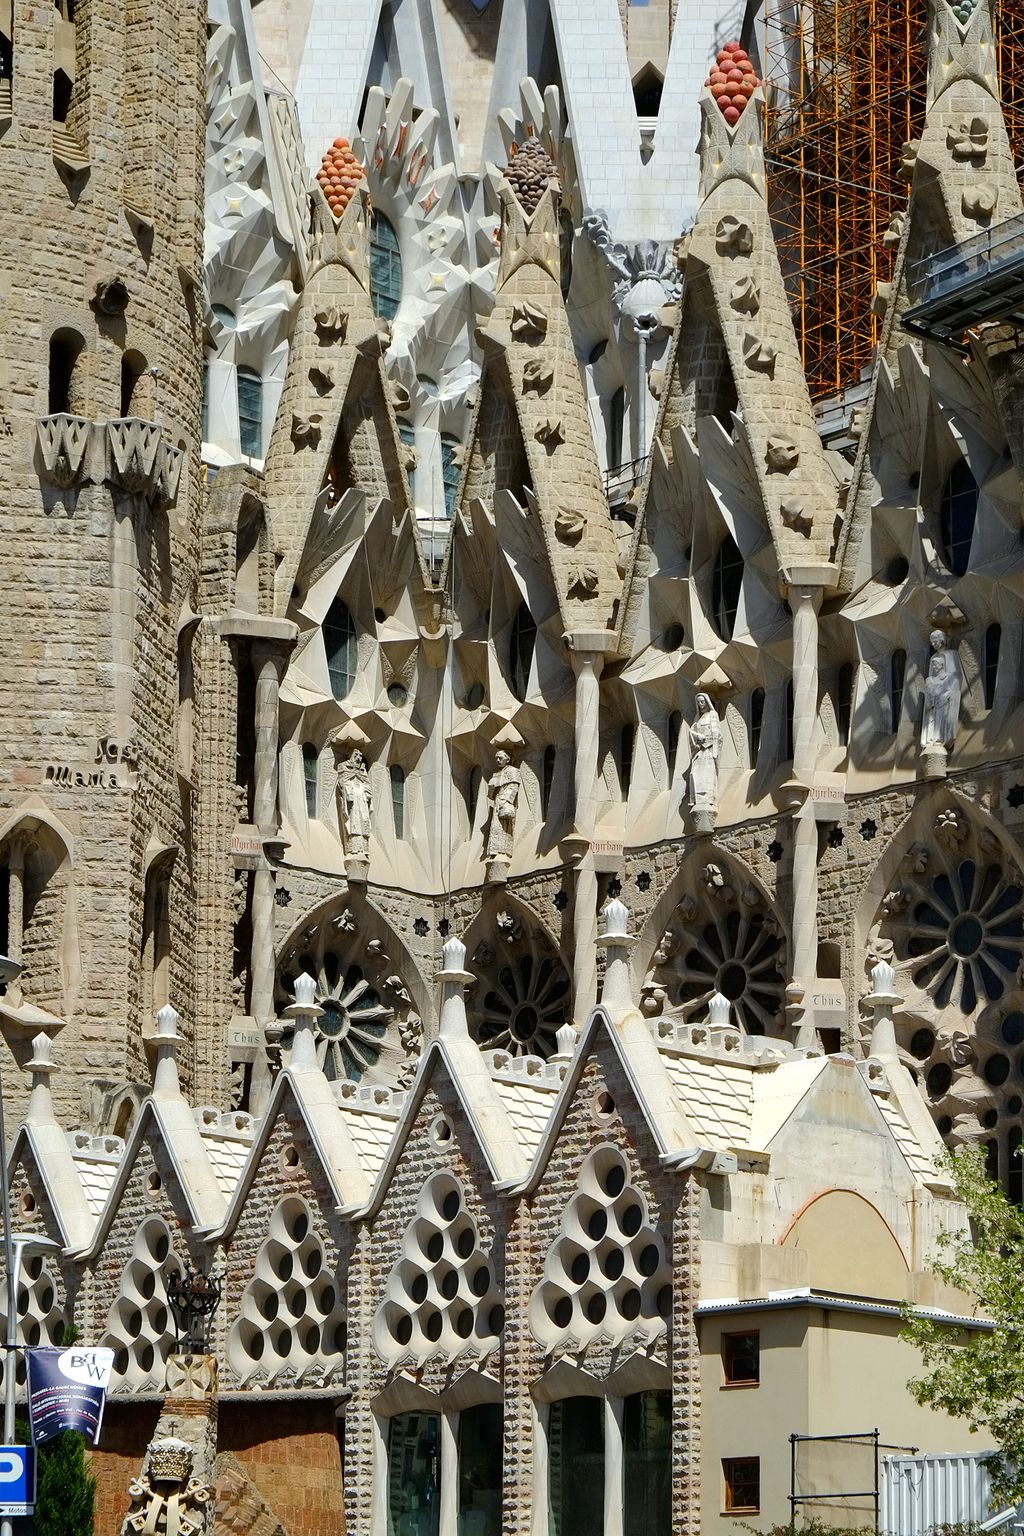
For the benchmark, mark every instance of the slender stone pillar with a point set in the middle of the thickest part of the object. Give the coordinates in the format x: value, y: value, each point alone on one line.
x: 267, y: 660
x: 588, y: 650
x: 805, y: 602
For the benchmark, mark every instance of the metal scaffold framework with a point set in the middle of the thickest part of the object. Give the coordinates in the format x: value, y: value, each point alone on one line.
x: 845, y: 90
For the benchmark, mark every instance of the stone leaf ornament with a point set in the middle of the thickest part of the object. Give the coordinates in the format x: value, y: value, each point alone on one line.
x: 781, y: 456
x: 733, y: 236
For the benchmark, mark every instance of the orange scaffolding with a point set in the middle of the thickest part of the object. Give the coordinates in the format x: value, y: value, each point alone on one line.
x: 846, y: 89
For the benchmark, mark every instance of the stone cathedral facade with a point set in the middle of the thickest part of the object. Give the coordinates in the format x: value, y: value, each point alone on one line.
x: 510, y: 817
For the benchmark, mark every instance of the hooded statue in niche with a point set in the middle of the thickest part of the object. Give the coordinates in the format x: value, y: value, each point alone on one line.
x: 705, y: 747
x: 942, y: 689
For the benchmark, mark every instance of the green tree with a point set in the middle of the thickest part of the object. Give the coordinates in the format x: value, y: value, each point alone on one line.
x: 65, y: 1492
x: 979, y: 1375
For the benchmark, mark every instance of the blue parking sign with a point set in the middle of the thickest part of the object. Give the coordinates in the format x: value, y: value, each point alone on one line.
x: 17, y: 1480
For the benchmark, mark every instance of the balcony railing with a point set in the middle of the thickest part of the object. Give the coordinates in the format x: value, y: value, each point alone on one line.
x: 621, y: 481
x: 979, y: 280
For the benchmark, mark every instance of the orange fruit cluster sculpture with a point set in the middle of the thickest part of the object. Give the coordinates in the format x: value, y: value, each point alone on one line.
x: 732, y: 81
x: 339, y: 176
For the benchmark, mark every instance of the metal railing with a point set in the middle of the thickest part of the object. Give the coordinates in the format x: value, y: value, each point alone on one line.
x: 621, y: 480
x: 981, y: 279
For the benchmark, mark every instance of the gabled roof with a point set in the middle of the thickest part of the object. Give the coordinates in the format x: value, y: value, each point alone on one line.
x: 60, y: 1175
x: 314, y: 1104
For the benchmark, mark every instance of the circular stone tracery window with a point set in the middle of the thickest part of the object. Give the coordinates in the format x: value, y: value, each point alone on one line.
x: 963, y: 931
x: 737, y: 950
x: 522, y: 997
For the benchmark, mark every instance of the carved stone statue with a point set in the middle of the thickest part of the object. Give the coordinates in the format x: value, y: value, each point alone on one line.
x: 356, y: 803
x: 167, y: 1500
x: 942, y: 690
x: 705, y: 746
x: 503, y: 793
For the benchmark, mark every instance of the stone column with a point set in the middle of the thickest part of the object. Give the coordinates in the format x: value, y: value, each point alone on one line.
x: 267, y: 661
x: 805, y: 595
x: 588, y: 650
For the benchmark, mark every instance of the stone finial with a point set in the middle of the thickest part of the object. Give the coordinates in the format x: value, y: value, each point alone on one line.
x: 883, y: 979
x: 40, y: 1104
x: 882, y: 999
x: 165, y: 1073
x: 565, y: 1044
x: 617, y: 991
x: 304, y: 1011
x: 719, y: 1009
x: 454, y: 978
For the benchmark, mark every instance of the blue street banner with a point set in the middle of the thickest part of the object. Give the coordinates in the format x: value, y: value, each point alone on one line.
x: 17, y: 1480
x: 66, y: 1390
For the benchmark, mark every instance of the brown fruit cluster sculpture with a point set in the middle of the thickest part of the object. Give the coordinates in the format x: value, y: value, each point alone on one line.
x: 732, y: 81
x: 339, y: 176
x: 529, y: 170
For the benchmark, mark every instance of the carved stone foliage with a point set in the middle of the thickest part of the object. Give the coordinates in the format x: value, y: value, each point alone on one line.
x: 63, y: 444
x: 441, y: 1297
x: 142, y: 461
x: 167, y: 1500
x: 958, y: 925
x: 291, y: 1322
x: 723, y: 940
x: 606, y: 1276
x: 522, y: 995
x: 369, y: 1031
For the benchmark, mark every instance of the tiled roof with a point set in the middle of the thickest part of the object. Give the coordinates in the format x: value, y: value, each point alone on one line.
x: 716, y: 1098
x: 919, y: 1161
x: 527, y: 1087
x: 96, y: 1159
x: 227, y: 1139
x: 371, y: 1115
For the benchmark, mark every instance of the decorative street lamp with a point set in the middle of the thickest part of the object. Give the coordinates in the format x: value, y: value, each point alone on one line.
x: 192, y: 1297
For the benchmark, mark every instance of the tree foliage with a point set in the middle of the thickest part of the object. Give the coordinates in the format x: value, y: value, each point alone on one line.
x: 979, y: 1375
x: 65, y: 1492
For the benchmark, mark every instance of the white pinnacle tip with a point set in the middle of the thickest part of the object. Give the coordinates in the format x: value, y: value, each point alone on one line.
x: 719, y: 1008
x: 453, y: 955
x: 616, y: 919
x: 167, y: 1020
x: 305, y: 990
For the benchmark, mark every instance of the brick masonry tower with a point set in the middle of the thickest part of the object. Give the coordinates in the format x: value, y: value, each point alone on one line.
x: 101, y: 138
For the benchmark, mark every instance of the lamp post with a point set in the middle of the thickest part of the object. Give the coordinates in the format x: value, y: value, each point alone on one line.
x: 192, y: 1297
x: 15, y: 1244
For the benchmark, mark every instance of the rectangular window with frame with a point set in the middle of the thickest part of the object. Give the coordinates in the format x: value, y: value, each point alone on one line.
x: 741, y: 1359
x: 742, y: 1477
x: 414, y: 1474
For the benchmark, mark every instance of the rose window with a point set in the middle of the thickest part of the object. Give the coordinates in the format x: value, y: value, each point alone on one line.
x: 362, y: 1033
x: 738, y: 952
x: 963, y: 934
x: 521, y: 1005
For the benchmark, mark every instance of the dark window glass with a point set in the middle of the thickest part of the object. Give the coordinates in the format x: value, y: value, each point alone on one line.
x: 205, y: 424
x: 340, y: 645
x: 250, y: 413
x: 993, y: 636
x: 576, y: 1467
x: 789, y: 720
x: 65, y: 347
x: 897, y: 673
x: 844, y: 702
x: 414, y: 1475
x: 385, y: 268
x: 957, y: 512
x: 741, y: 1356
x: 473, y: 790
x: 756, y: 718
x: 449, y: 473
x: 520, y: 652
x: 726, y: 582
x: 647, y: 1464
x: 742, y: 1483
x: 397, y: 776
x: 616, y: 424
x: 480, y: 1435
x: 310, y: 770
x: 992, y: 1159
x: 547, y: 778
x: 566, y: 233
x: 627, y: 740
x: 673, y: 730
x: 647, y: 93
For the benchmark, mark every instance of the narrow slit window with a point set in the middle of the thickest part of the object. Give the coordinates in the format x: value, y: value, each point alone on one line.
x: 341, y: 647
x: 726, y: 585
x: 449, y: 472
x: 250, y: 413
x: 385, y: 268
x: 993, y: 639
x: 844, y: 703
x: 522, y: 641
x: 310, y: 776
x: 627, y: 741
x: 397, y: 776
x: 958, y: 511
x: 755, y: 721
x: 547, y: 778
x: 673, y: 730
x: 897, y: 676
x: 789, y: 721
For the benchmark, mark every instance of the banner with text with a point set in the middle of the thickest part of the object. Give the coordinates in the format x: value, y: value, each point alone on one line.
x: 66, y: 1390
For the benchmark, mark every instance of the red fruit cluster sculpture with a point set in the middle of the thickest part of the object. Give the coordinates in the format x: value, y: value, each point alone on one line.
x: 732, y: 81
x: 339, y: 176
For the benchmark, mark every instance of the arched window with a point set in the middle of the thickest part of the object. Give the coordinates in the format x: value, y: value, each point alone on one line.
x: 522, y: 641
x: 204, y: 424
x: 133, y: 374
x: 726, y: 583
x: 397, y: 777
x: 385, y: 268
x: 627, y: 740
x: 62, y: 88
x: 673, y: 730
x: 65, y: 350
x: 647, y: 88
x: 341, y: 647
x: 993, y: 637
x: 616, y: 425
x: 897, y: 675
x: 957, y: 512
x: 310, y: 775
x: 789, y: 721
x: 250, y: 413
x: 547, y: 778
x: 449, y: 471
x: 844, y: 702
x: 755, y: 719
